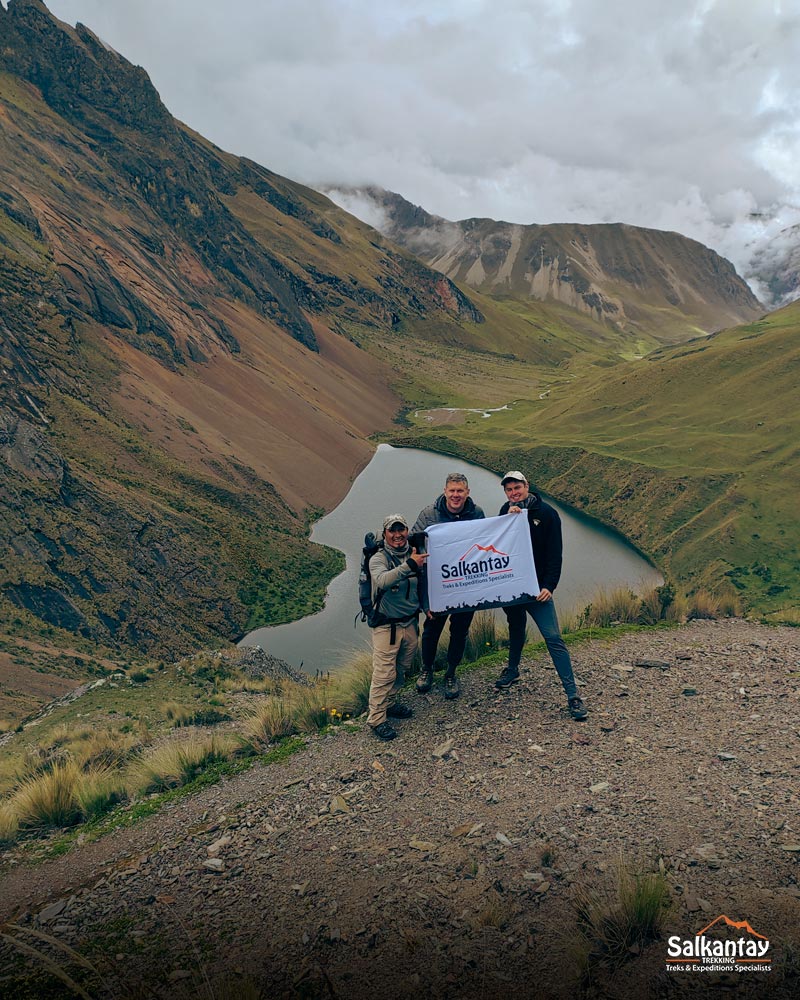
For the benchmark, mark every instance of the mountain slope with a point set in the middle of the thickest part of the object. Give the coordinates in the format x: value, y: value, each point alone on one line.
x: 657, y: 283
x: 178, y: 330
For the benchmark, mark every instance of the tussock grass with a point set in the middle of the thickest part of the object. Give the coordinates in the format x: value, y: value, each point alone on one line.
x: 348, y: 690
x: 175, y: 763
x: 703, y: 605
x: 99, y: 791
x: 269, y: 719
x: 50, y: 798
x: 9, y: 824
x: 177, y: 714
x: 484, y: 636
x: 310, y: 708
x: 615, y: 925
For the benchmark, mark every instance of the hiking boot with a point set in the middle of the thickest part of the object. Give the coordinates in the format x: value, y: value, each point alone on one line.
x: 451, y: 687
x: 398, y: 711
x: 425, y: 680
x: 577, y: 709
x: 384, y: 731
x: 509, y: 676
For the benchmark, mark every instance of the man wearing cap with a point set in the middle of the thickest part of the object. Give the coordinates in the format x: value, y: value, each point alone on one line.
x: 454, y: 504
x: 545, y: 528
x: 394, y: 570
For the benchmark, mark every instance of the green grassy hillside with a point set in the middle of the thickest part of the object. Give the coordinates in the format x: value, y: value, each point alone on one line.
x: 692, y: 452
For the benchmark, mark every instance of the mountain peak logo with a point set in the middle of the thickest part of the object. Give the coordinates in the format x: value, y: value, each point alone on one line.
x: 482, y: 548
x: 721, y: 952
x: 738, y: 925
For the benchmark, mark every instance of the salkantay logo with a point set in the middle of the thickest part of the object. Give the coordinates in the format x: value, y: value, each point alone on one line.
x: 708, y: 954
x: 494, y: 561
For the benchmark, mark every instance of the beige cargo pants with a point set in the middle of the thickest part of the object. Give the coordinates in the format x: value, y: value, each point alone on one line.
x: 390, y: 662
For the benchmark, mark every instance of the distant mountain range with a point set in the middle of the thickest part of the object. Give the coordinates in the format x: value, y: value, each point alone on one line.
x: 672, y: 287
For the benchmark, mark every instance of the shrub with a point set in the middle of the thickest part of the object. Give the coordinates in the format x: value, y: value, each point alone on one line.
x: 139, y: 677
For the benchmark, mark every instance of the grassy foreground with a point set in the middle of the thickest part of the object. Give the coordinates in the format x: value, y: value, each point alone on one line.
x: 140, y: 737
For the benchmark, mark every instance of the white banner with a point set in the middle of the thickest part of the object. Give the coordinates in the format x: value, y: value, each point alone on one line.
x: 480, y: 564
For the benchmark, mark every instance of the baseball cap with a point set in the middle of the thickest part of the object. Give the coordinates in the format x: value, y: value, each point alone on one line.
x: 394, y: 519
x: 514, y: 474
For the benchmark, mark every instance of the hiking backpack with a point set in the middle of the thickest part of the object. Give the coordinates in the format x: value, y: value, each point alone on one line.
x: 369, y: 611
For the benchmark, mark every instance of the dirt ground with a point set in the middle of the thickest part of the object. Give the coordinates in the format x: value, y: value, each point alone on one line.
x: 451, y: 860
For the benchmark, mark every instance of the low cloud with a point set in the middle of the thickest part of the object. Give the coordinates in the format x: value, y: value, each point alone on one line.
x: 682, y: 117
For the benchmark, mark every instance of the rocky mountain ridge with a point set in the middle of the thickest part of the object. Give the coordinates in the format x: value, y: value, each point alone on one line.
x: 635, y: 278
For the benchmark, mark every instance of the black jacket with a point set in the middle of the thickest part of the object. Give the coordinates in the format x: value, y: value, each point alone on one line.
x: 545, y: 528
x: 437, y: 513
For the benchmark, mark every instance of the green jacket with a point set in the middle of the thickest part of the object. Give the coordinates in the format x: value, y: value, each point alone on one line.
x: 396, y: 578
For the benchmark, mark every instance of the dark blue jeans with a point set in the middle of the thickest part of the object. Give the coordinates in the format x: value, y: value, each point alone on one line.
x: 544, y: 614
x: 459, y: 630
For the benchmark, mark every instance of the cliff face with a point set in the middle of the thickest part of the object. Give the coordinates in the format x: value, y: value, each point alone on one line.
x: 178, y: 332
x: 658, y: 283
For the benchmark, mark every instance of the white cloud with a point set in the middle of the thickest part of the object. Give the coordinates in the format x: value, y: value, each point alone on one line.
x: 683, y: 116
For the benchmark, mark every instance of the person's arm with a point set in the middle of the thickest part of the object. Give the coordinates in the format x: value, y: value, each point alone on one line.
x: 383, y: 577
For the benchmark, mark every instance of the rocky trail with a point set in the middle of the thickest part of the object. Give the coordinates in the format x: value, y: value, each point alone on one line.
x: 449, y: 861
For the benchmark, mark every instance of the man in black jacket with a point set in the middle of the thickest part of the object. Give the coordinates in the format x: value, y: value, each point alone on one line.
x: 455, y: 504
x: 545, y: 529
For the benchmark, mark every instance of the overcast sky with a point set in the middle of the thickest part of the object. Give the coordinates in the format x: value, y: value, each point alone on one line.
x: 681, y: 116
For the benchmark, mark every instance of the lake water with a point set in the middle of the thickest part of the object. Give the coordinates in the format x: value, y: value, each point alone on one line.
x: 404, y: 480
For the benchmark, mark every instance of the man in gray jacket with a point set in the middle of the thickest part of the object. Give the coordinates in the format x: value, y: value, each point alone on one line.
x: 455, y: 504
x: 394, y: 570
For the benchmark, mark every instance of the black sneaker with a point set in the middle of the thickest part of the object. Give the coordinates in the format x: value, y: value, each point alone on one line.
x: 451, y: 687
x: 425, y: 681
x: 509, y: 676
x: 384, y: 731
x: 398, y: 711
x: 577, y: 709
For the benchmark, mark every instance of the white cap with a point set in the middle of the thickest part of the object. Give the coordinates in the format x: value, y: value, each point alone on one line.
x: 515, y: 475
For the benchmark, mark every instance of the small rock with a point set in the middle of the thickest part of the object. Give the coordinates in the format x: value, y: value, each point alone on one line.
x: 214, y: 864
x: 726, y: 756
x: 657, y: 664
x: 503, y: 839
x: 338, y: 805
x: 601, y: 786
x: 443, y: 749
x: 689, y: 691
x: 52, y: 911
x: 422, y: 845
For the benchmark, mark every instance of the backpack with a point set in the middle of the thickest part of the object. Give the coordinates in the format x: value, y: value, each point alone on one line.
x: 370, y: 611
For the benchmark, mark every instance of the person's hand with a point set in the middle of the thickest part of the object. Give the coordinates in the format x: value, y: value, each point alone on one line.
x: 419, y: 558
x: 515, y: 510
x: 429, y: 614
x: 544, y: 594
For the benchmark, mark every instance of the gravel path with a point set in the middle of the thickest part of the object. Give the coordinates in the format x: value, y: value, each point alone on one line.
x: 449, y: 861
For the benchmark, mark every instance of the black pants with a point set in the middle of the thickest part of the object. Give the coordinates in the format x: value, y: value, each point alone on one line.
x: 459, y: 630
